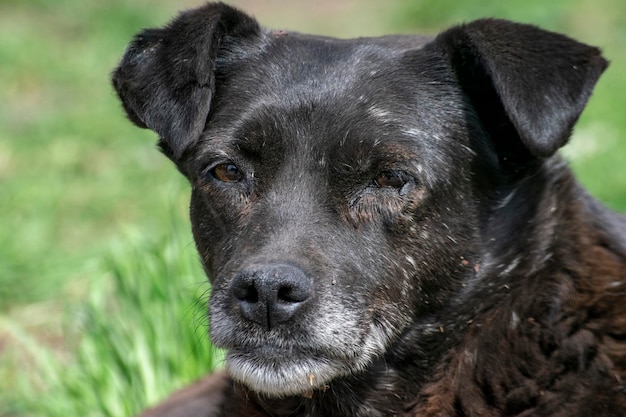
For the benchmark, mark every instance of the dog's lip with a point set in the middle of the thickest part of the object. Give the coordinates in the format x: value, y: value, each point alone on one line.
x: 274, y: 351
x: 288, y: 353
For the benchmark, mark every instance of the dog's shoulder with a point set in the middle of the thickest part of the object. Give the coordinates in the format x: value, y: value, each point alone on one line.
x: 204, y: 398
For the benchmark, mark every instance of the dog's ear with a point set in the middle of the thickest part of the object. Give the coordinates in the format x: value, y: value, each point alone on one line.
x: 166, y: 78
x: 522, y: 80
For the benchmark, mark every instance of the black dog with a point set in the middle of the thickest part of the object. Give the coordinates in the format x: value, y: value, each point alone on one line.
x: 385, y: 224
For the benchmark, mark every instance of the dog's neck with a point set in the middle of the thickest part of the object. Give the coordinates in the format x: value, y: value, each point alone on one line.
x: 505, y: 356
x: 558, y: 287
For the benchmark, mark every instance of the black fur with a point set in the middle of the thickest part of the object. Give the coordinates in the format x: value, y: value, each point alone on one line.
x: 385, y: 222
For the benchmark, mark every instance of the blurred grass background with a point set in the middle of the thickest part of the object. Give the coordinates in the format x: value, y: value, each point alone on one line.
x: 101, y: 296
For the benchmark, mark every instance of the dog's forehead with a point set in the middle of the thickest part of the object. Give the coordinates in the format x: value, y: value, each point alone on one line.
x: 315, y: 92
x: 307, y: 67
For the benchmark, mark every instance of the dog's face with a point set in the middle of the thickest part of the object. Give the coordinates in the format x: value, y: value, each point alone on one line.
x: 342, y: 189
x: 325, y: 206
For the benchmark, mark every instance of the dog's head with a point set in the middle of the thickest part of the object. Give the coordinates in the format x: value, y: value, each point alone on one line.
x: 342, y: 190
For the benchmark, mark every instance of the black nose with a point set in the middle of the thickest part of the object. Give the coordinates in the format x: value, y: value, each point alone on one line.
x: 271, y: 294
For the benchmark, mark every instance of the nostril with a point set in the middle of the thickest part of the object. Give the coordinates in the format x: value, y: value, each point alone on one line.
x: 246, y: 293
x: 292, y: 294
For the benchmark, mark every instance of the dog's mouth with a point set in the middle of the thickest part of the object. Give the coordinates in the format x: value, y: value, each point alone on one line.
x: 284, y: 369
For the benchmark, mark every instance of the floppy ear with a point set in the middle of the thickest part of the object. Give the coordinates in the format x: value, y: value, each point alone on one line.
x: 166, y: 78
x: 522, y: 80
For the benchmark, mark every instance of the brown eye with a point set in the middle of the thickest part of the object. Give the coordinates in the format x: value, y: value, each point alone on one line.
x: 391, y: 179
x: 227, y: 172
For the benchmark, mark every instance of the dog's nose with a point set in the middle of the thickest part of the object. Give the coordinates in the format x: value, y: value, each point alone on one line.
x: 271, y: 294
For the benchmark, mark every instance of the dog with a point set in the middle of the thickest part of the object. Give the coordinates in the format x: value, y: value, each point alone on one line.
x: 385, y: 222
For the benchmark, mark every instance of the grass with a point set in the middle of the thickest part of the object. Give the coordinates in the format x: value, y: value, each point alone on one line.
x: 114, y: 358
x: 64, y: 165
x: 102, y: 299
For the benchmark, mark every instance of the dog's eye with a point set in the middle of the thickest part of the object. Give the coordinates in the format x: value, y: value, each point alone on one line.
x: 391, y: 179
x: 226, y: 172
